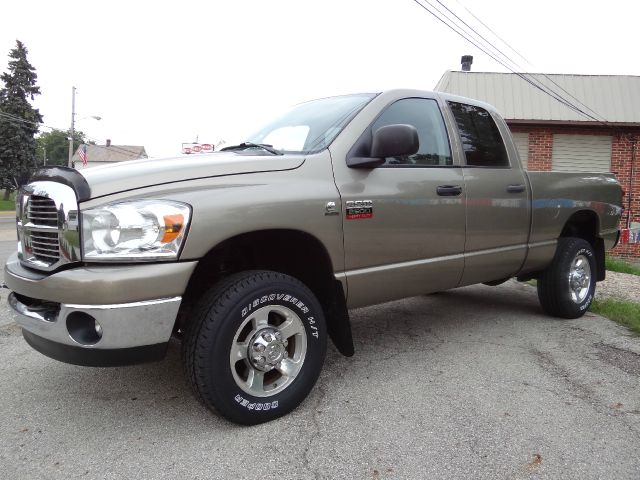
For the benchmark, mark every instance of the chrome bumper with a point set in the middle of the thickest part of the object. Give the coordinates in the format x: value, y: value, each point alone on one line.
x: 98, y: 315
x: 121, y: 326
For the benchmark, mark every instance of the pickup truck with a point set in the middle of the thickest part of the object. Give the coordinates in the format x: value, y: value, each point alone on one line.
x: 253, y: 255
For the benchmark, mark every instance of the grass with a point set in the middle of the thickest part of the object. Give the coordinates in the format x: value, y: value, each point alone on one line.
x: 7, y: 205
x: 623, y: 312
x: 620, y: 311
x: 615, y: 265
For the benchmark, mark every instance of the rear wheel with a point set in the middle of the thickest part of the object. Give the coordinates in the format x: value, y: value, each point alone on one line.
x: 256, y: 346
x: 567, y: 287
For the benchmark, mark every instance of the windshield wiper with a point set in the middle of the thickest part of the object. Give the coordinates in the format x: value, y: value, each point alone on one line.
x: 245, y: 145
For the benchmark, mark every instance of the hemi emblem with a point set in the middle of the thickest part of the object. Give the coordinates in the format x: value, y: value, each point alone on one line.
x: 359, y: 209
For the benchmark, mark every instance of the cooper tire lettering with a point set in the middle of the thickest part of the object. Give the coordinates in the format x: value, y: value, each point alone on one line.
x: 221, y: 315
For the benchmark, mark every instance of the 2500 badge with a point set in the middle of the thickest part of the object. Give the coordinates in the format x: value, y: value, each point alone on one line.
x: 359, y: 209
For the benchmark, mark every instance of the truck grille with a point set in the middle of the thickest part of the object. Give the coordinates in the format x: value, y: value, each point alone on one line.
x: 42, y: 211
x: 47, y: 225
x: 45, y: 246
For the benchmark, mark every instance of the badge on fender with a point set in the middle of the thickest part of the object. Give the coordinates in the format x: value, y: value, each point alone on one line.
x: 359, y: 209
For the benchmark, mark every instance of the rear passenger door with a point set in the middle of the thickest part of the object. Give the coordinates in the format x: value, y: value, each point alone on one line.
x: 498, y: 207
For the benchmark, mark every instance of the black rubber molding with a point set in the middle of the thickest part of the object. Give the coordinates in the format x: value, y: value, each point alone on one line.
x: 95, y: 357
x: 67, y: 176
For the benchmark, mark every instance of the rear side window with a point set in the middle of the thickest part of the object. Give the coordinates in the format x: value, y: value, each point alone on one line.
x: 425, y: 115
x: 481, y: 140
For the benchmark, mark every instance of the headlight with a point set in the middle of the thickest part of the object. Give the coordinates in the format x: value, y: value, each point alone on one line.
x: 145, y: 230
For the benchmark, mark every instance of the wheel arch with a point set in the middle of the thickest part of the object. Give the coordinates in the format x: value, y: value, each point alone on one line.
x: 293, y: 252
x: 585, y: 224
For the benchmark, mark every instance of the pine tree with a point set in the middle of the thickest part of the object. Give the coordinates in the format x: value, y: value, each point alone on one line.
x: 19, y: 121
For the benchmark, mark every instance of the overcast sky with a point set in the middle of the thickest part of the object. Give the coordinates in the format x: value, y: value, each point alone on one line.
x: 161, y: 73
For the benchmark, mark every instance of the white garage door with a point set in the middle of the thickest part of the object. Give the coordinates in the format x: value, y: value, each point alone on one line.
x: 581, y: 153
x: 522, y: 145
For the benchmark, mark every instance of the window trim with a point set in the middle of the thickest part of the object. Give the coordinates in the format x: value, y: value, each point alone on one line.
x: 400, y: 165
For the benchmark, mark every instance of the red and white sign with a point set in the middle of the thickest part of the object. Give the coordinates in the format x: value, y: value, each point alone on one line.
x: 197, y: 148
x: 630, y: 235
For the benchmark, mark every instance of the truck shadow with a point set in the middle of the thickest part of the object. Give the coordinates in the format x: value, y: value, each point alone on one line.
x: 149, y: 392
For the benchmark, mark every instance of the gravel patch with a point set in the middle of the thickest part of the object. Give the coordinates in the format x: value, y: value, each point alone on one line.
x: 622, y: 286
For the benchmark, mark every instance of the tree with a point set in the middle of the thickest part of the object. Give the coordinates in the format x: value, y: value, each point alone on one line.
x: 55, y: 146
x: 19, y: 121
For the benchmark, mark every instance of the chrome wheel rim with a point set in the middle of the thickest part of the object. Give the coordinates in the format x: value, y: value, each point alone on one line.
x: 268, y: 350
x: 579, y: 278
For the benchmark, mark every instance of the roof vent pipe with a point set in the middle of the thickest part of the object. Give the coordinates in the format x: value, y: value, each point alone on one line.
x: 466, y: 61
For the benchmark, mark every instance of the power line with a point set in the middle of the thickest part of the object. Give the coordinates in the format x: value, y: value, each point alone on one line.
x: 487, y: 42
x: 15, y: 118
x: 458, y: 31
x: 529, y: 78
x: 603, y: 121
x: 116, y: 148
x: 527, y: 61
x: 534, y: 82
x: 494, y: 33
x: 513, y: 65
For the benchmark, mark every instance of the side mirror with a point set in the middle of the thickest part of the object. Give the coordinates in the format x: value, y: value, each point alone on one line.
x: 395, y: 141
x: 388, y: 141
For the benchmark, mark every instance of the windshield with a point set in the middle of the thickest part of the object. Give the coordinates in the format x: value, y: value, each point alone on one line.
x: 311, y: 126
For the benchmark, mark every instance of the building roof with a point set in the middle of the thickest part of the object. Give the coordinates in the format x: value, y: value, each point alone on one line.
x: 112, y: 153
x: 616, y: 98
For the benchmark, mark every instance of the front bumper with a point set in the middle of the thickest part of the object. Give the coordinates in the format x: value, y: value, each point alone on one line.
x: 99, y: 316
x: 129, y: 333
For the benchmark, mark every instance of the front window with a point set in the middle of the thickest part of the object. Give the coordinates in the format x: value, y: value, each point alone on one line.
x: 311, y: 126
x: 424, y: 114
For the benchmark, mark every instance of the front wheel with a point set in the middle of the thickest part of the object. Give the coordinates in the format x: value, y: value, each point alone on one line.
x: 256, y: 346
x: 567, y: 287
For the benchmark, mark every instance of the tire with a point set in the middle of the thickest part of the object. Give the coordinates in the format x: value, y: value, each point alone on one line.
x: 567, y: 287
x: 255, y: 347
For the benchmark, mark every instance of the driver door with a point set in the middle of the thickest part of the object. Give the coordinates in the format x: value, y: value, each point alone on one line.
x: 406, y: 236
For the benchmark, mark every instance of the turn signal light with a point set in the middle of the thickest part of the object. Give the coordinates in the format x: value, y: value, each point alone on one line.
x: 172, y: 227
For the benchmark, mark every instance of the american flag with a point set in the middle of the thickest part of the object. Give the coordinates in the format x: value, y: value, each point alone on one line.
x: 82, y: 153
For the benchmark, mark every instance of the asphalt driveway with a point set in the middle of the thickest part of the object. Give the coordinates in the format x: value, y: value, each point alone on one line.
x: 472, y: 383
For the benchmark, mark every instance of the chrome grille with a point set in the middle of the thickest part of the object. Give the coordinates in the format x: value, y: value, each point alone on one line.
x: 42, y: 211
x: 45, y: 246
x: 48, y: 235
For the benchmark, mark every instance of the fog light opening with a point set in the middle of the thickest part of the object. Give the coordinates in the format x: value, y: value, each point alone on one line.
x: 83, y: 328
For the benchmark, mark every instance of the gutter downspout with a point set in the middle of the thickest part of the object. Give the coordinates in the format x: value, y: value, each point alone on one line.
x: 633, y: 162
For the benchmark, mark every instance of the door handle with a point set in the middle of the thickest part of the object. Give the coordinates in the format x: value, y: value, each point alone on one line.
x: 515, y: 188
x: 449, y: 190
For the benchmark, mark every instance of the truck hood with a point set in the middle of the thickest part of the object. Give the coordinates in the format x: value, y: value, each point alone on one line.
x: 131, y: 175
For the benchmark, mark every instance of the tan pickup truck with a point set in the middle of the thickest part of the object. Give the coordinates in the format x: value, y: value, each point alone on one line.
x: 253, y: 255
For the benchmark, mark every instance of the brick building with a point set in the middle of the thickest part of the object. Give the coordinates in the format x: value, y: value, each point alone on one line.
x: 551, y: 136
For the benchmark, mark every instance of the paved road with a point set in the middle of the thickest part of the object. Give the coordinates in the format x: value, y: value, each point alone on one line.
x: 7, y: 226
x: 472, y: 383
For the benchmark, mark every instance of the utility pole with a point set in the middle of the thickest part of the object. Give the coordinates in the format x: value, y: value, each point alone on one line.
x: 73, y: 119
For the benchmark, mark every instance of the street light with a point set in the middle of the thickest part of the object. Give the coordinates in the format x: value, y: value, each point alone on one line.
x: 73, y: 121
